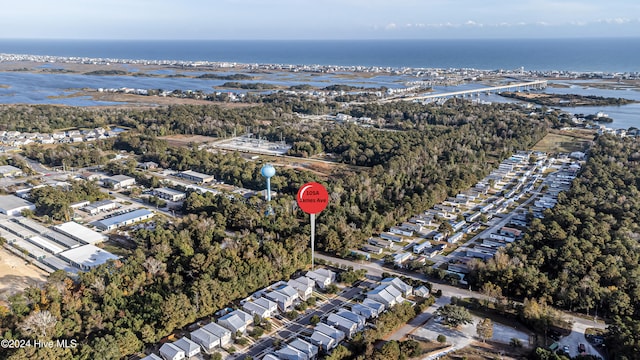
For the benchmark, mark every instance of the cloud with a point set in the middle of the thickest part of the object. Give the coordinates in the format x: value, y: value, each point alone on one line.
x: 390, y: 26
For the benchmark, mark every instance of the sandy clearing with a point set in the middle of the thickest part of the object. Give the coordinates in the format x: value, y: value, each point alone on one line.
x: 16, y: 274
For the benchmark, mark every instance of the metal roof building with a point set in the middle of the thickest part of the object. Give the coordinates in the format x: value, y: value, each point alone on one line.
x: 124, y: 219
x: 87, y: 256
x: 12, y: 205
x: 80, y: 232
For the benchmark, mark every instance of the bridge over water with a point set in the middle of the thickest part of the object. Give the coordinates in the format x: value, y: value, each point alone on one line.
x: 536, y: 85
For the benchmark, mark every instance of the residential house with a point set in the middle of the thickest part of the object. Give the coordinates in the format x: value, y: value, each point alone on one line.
x: 255, y: 309
x: 387, y: 295
x: 455, y: 237
x: 284, y: 296
x: 322, y: 277
x: 236, y: 320
x: 189, y: 347
x: 375, y: 305
x: 372, y: 249
x: 400, y: 231
x: 365, y: 311
x: 171, y: 352
x: 390, y: 236
x: 304, y: 286
x: 323, y: 341
x: 288, y: 352
x: 376, y: 241
x: 336, y: 334
x: 404, y: 288
x: 151, y: 357
x: 347, y: 326
x: 222, y: 333
x: 349, y: 315
x: 400, y: 258
x: 422, y: 291
x: 419, y: 248
x: 307, y: 348
x: 207, y: 340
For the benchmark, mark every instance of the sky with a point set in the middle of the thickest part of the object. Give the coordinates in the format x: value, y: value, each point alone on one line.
x: 317, y: 19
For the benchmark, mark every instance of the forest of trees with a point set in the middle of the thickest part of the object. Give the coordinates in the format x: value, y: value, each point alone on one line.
x: 189, y: 269
x: 179, y: 273
x: 584, y: 255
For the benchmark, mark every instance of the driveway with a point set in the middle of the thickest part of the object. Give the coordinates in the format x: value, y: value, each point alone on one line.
x: 577, y: 336
x: 465, y: 335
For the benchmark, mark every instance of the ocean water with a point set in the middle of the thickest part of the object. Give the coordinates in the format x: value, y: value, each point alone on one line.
x: 583, y: 55
x: 609, y: 55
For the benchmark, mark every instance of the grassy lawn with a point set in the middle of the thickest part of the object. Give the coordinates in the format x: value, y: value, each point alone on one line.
x: 562, y: 142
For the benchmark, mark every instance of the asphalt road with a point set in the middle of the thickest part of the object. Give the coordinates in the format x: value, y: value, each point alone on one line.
x: 292, y: 329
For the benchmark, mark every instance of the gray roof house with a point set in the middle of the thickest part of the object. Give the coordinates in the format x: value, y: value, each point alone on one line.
x: 171, y: 352
x: 422, y: 291
x: 284, y: 296
x: 304, y: 286
x: 336, y: 334
x: 322, y: 277
x: 364, y: 311
x: 255, y: 309
x: 151, y: 357
x: 219, y: 331
x: 236, y: 320
x: 324, y: 341
x: 288, y: 352
x: 349, y: 315
x: 388, y: 295
x: 309, y: 349
x: 207, y: 340
x: 347, y: 326
x: 189, y: 347
x: 404, y: 288
x: 375, y: 305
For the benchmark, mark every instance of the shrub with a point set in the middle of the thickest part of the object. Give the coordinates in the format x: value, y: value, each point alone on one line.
x: 441, y: 339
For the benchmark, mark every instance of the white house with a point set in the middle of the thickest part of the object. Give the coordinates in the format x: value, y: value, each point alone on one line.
x: 329, y: 330
x: 322, y: 277
x: 207, y: 340
x: 222, y: 333
x: 349, y: 315
x: 189, y: 347
x: 303, y: 285
x: 284, y: 296
x: 236, y: 320
x: 255, y: 309
x: 375, y: 305
x: 288, y: 352
x: 171, y: 352
x: 307, y: 348
x: 364, y: 311
x: 404, y: 288
x: 347, y: 326
x: 151, y: 357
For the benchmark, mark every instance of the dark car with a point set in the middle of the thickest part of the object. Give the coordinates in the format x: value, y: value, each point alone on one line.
x: 582, y: 348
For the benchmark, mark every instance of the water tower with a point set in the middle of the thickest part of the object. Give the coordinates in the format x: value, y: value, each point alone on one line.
x: 268, y: 171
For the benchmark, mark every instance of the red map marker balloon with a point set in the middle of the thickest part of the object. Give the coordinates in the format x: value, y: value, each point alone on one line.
x: 312, y: 198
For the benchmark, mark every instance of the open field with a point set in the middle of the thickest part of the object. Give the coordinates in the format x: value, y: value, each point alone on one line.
x: 186, y: 140
x: 564, y: 142
x: 489, y: 350
x: 16, y: 274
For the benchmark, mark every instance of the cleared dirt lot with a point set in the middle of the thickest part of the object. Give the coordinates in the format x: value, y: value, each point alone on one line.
x: 16, y: 274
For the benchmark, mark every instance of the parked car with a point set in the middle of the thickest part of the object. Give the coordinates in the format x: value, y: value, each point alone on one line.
x: 582, y: 348
x: 565, y: 349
